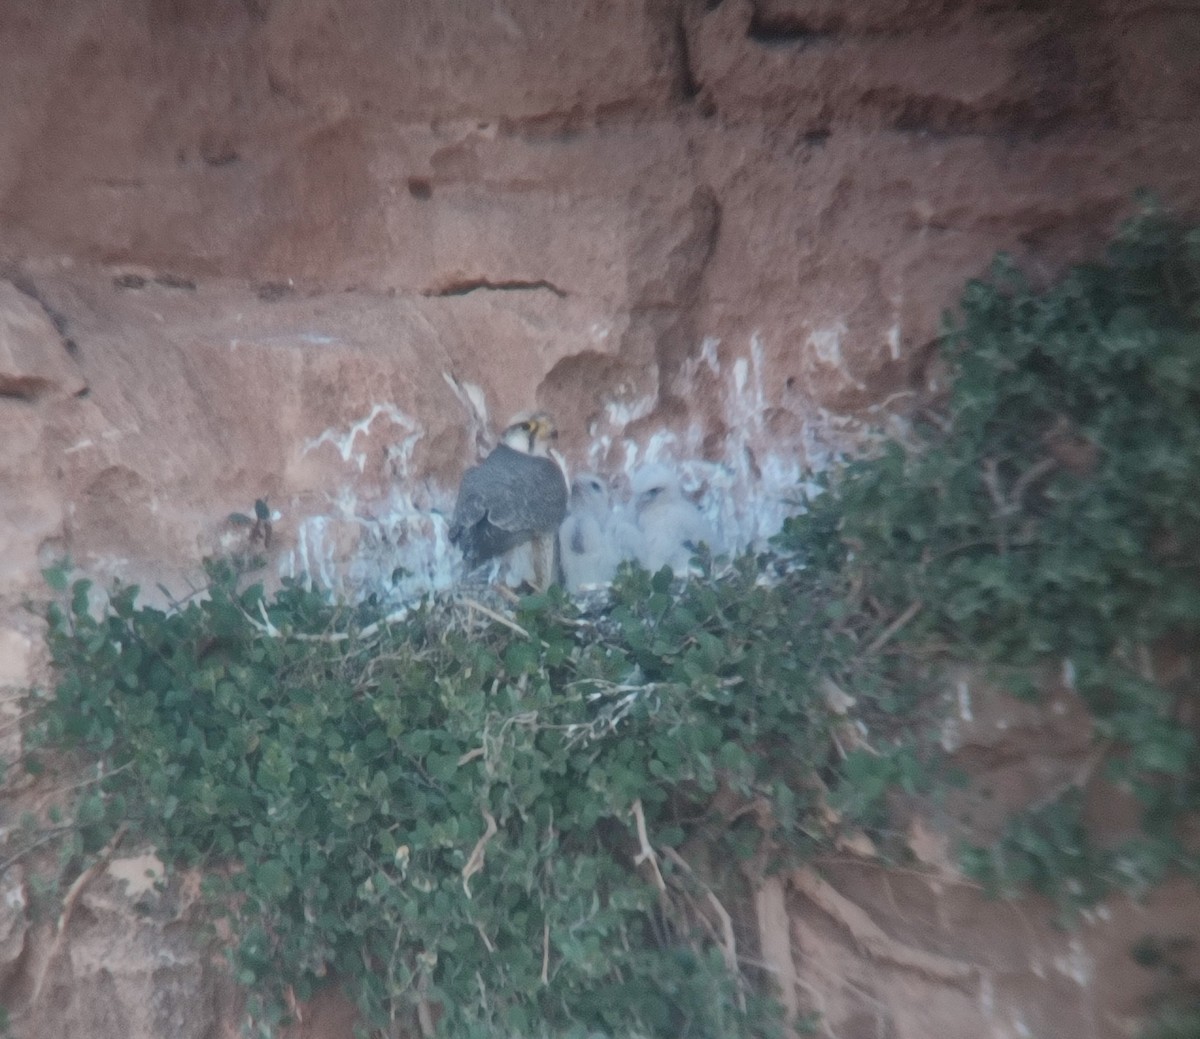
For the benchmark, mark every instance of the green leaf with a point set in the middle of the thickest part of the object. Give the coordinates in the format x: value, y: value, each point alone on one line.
x: 57, y: 576
x: 272, y: 879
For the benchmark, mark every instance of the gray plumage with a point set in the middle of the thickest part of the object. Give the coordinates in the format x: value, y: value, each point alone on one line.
x: 511, y: 504
x: 508, y: 499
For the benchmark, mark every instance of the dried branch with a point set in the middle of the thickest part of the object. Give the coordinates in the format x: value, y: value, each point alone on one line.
x: 475, y: 862
x: 885, y: 636
x: 499, y: 618
x: 871, y: 938
x: 728, y: 940
x: 647, y: 852
x: 68, y: 907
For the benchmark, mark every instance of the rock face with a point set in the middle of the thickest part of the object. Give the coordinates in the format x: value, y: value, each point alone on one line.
x: 317, y: 252
x: 129, y: 965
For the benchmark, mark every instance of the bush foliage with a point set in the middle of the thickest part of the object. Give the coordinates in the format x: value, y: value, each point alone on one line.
x: 1051, y: 513
x: 518, y: 825
x: 442, y: 809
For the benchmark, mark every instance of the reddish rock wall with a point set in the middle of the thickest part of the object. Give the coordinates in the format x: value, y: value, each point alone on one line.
x: 334, y: 206
x: 317, y: 250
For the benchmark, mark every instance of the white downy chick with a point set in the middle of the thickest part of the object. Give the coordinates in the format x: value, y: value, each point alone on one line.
x: 593, y: 540
x: 672, y: 528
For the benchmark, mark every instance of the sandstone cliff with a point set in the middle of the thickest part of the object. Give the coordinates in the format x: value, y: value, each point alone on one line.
x: 315, y: 252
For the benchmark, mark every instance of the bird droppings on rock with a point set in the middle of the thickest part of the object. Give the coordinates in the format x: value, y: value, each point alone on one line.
x: 860, y: 168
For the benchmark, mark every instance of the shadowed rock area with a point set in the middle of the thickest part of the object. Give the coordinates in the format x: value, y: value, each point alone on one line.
x: 318, y: 253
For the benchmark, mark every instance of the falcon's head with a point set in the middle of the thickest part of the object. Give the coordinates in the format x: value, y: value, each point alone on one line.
x: 532, y: 436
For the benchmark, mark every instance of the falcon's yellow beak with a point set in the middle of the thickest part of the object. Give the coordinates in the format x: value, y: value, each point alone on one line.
x: 542, y: 427
x: 531, y: 433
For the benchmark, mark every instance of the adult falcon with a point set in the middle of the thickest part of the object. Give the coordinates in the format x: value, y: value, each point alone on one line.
x: 513, y: 502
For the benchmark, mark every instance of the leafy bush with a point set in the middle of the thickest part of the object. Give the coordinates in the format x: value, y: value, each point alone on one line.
x: 1174, y: 1023
x: 1050, y: 511
x: 522, y: 824
x: 1055, y: 513
x: 444, y: 810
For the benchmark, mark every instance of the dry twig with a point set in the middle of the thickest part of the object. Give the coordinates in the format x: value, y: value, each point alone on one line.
x: 68, y: 907
x: 871, y: 938
x: 499, y: 618
x: 728, y: 941
x: 775, y: 939
x: 885, y: 636
x: 647, y: 852
x: 269, y: 629
x: 475, y: 862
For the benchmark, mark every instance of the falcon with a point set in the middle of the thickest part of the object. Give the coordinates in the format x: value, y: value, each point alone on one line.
x: 513, y: 502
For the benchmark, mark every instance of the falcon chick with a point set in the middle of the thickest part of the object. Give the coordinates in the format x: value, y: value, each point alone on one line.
x: 671, y: 527
x: 515, y: 497
x: 593, y: 540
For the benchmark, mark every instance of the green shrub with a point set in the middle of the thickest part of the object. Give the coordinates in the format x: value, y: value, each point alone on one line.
x: 1050, y: 511
x: 443, y: 810
x: 1174, y: 1023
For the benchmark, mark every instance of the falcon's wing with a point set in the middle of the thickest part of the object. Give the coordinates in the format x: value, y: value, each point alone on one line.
x: 504, y: 501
